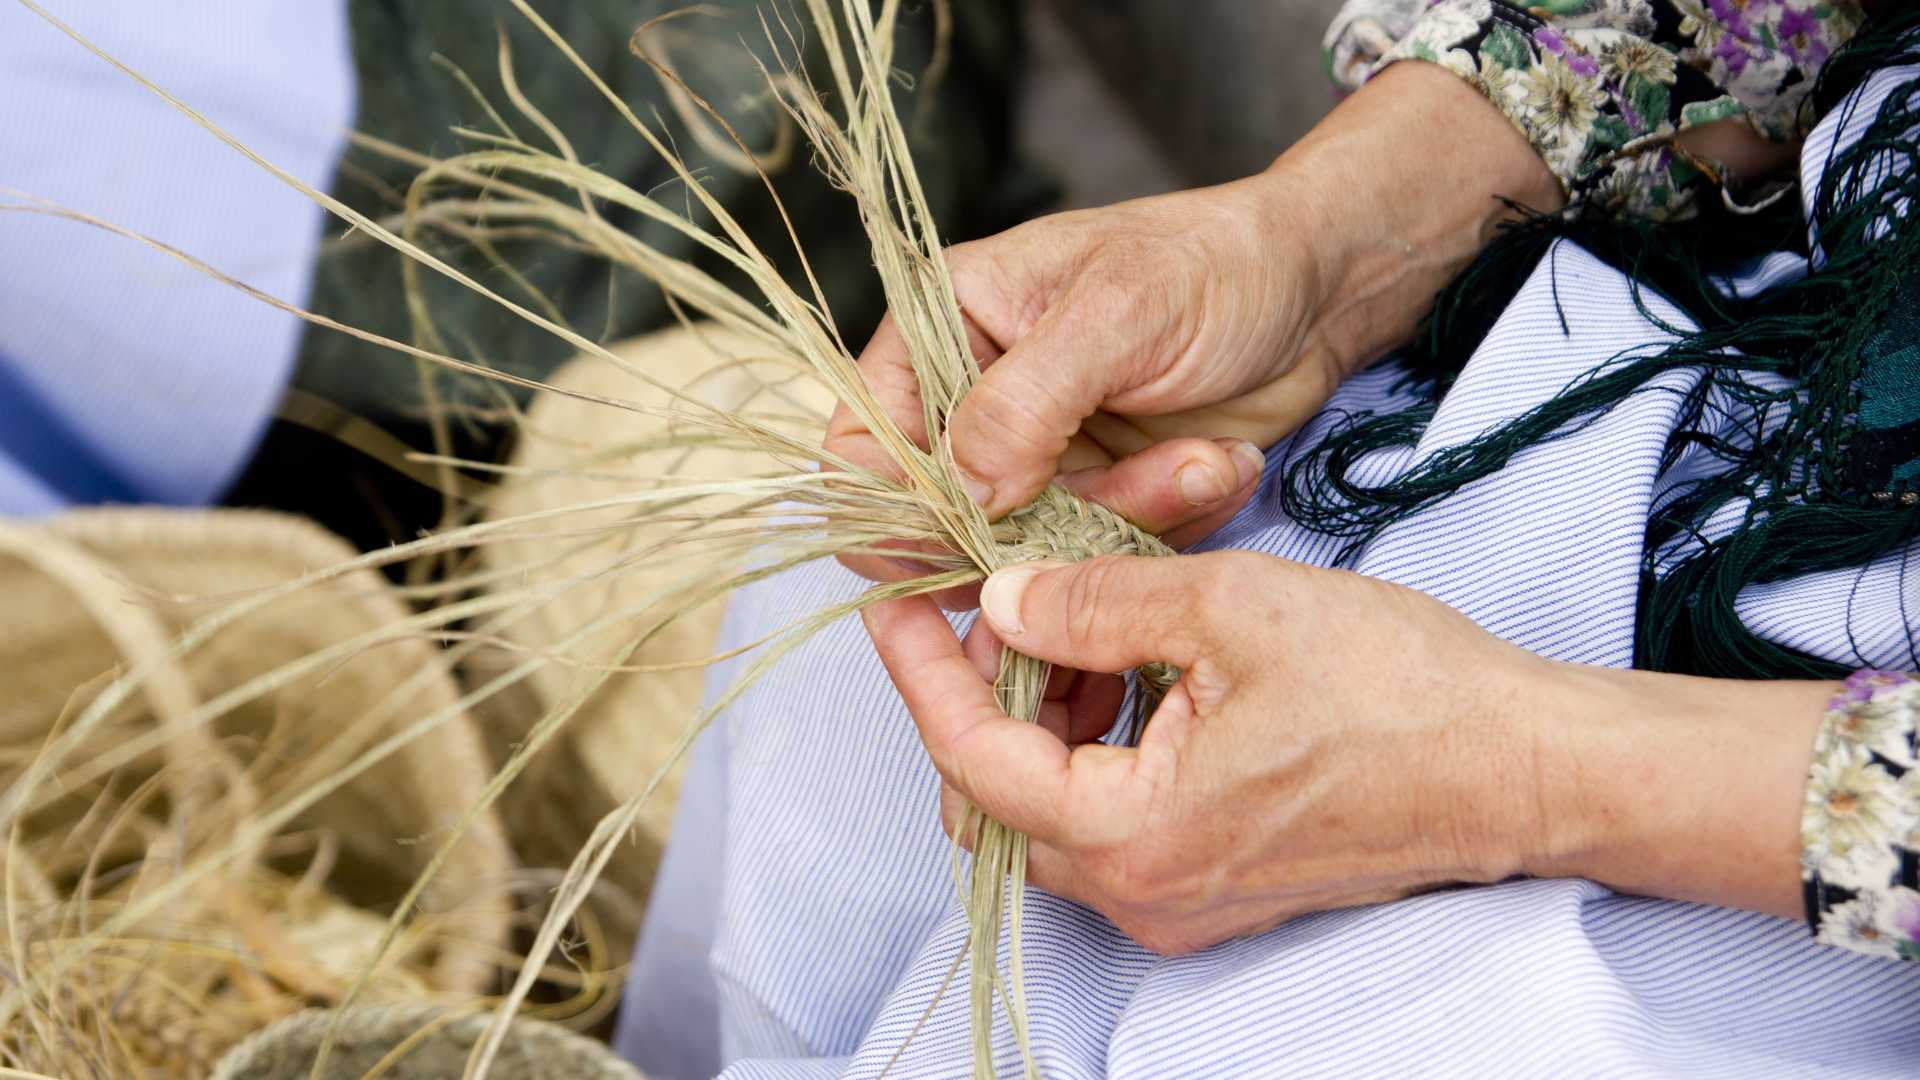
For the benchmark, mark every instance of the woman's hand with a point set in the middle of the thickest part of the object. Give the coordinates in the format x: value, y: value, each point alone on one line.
x: 1297, y: 765
x: 1337, y: 740
x: 1154, y: 307
x: 1164, y: 334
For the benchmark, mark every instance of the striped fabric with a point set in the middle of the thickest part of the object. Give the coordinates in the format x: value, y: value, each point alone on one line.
x: 805, y: 917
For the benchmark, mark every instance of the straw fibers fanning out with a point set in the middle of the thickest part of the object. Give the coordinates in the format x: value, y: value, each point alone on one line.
x: 571, y: 451
x: 675, y: 537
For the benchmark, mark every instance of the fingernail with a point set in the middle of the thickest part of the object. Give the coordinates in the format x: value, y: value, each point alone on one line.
x: 1248, y: 461
x: 977, y: 489
x: 1200, y: 484
x: 1000, y: 596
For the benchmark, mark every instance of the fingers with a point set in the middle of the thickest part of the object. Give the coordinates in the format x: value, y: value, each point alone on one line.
x: 983, y: 648
x: 1263, y: 415
x: 1011, y: 769
x: 887, y: 369
x: 1048, y: 867
x: 1080, y: 706
x: 1017, y: 772
x: 888, y: 373
x: 1093, y: 705
x: 1009, y: 432
x: 898, y: 561
x: 1181, y: 490
x: 1734, y: 145
x: 1115, y: 613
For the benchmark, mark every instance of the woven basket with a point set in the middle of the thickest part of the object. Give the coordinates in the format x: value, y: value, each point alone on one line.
x: 437, y: 1045
x: 151, y: 572
x: 624, y: 732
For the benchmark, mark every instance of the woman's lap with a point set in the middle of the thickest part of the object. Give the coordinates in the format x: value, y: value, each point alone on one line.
x: 833, y: 920
x: 833, y: 923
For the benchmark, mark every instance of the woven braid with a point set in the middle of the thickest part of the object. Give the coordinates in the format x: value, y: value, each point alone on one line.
x: 1061, y: 525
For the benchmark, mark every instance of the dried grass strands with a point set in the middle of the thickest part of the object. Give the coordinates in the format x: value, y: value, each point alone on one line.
x: 863, y: 147
x: 76, y: 763
x: 98, y: 988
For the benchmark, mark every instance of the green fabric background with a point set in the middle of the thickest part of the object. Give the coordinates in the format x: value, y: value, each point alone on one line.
x: 965, y: 159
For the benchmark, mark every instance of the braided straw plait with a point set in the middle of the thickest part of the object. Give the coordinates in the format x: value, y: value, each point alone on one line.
x: 1061, y: 525
x: 1056, y: 525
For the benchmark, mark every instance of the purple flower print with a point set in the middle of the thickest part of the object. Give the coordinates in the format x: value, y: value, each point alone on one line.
x: 1732, y: 51
x: 1578, y: 62
x: 1851, y: 696
x: 1863, y: 684
x: 1733, y: 16
x: 1798, y: 30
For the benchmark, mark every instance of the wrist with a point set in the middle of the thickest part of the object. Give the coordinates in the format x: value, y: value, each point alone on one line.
x: 1401, y: 186
x: 1672, y: 786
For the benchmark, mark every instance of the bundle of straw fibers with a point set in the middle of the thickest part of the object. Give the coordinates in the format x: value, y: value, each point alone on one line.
x: 571, y: 452
x: 150, y: 922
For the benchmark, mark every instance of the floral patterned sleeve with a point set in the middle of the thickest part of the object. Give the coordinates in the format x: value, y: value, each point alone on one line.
x: 1860, y: 827
x: 1601, y: 87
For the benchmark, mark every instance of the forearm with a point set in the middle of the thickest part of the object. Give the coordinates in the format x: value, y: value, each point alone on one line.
x: 1675, y: 787
x: 1418, y: 169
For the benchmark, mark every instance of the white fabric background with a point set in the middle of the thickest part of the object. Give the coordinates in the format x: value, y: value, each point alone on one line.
x: 166, y: 377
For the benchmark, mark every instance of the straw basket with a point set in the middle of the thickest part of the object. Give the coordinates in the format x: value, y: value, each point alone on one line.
x: 294, y: 919
x: 575, y: 451
x: 418, y: 1043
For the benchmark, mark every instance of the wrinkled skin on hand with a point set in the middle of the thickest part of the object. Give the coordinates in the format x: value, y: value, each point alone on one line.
x: 1262, y: 788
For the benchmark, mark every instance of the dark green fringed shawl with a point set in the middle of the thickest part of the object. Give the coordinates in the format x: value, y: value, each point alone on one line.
x: 1830, y: 476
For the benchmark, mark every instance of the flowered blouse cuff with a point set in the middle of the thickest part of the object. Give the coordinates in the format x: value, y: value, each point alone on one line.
x: 1600, y: 104
x: 1860, y: 827
x: 1601, y: 87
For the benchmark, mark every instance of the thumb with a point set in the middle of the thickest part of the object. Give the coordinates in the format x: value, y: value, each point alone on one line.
x: 1009, y: 431
x: 1112, y: 613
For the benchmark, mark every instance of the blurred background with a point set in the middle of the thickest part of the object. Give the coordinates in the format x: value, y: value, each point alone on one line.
x: 1121, y: 98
